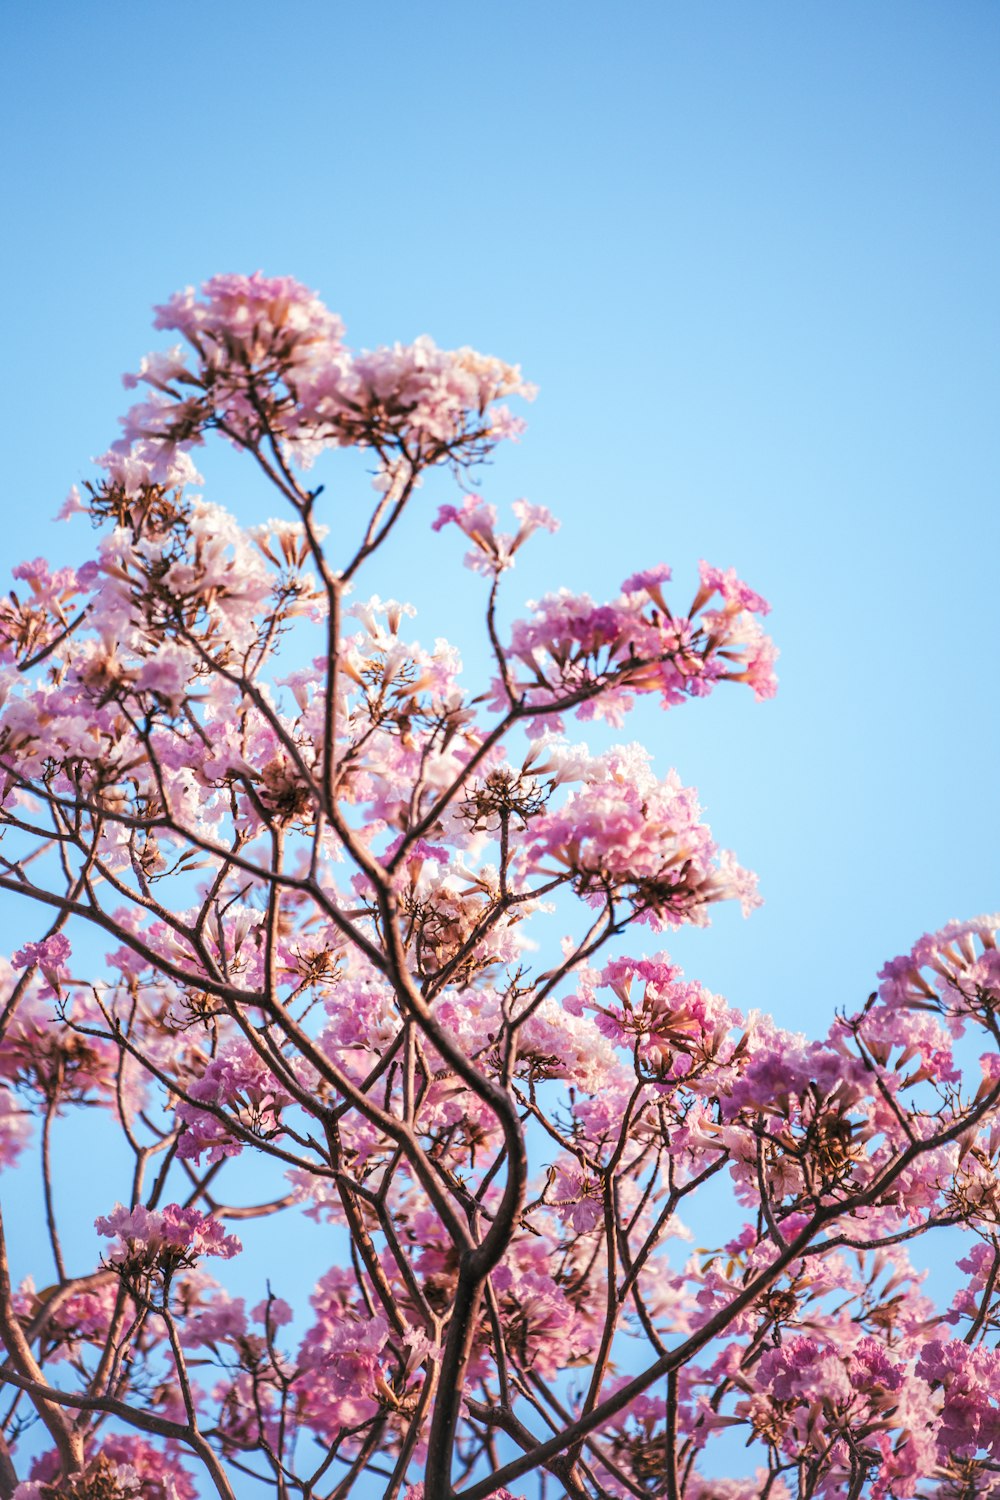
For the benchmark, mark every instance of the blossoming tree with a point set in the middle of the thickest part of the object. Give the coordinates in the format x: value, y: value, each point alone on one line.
x: 314, y: 881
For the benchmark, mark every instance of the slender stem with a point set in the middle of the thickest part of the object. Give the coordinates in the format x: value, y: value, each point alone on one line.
x: 50, y: 1214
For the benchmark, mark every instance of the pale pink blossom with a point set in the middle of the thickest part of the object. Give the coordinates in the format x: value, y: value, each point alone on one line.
x: 172, y: 1235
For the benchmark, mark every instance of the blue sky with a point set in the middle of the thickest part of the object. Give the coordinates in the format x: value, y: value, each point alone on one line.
x: 748, y: 251
x: 749, y: 254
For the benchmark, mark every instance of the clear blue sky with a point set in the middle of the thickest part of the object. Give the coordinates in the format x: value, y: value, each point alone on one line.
x: 750, y: 254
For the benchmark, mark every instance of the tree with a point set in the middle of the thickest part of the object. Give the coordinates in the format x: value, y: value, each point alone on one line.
x: 317, y: 888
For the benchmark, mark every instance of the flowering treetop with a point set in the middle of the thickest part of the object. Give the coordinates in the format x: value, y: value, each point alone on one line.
x: 315, y: 885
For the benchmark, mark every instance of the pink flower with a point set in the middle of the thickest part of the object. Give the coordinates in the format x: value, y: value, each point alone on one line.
x: 628, y: 832
x: 734, y: 591
x: 51, y: 953
x: 236, y: 1082
x: 647, y: 581
x: 970, y: 1417
x: 167, y: 675
x: 71, y: 506
x: 532, y: 517
x: 119, y: 1466
x: 165, y: 1237
x: 274, y: 1312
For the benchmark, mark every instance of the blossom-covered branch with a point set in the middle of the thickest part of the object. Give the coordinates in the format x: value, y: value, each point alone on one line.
x: 329, y: 880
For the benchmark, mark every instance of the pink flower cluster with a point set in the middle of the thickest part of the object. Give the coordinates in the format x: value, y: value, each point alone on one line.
x: 122, y: 1466
x: 344, y: 1353
x: 166, y: 1237
x: 675, y: 1027
x: 625, y: 833
x: 954, y: 972
x: 571, y: 647
x: 492, y: 551
x: 61, y: 1058
x: 270, y: 364
x: 237, y: 1082
x: 50, y: 955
